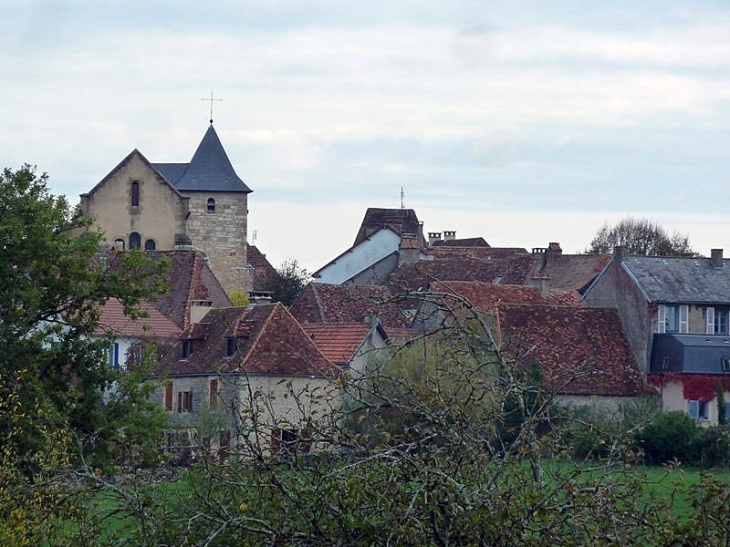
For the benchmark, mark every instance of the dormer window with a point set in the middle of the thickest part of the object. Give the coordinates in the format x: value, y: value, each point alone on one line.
x: 135, y: 194
x: 231, y: 346
x: 187, y: 348
x: 211, y: 205
x: 726, y: 364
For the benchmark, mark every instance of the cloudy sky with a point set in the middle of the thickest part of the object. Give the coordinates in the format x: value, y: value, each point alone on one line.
x: 523, y: 122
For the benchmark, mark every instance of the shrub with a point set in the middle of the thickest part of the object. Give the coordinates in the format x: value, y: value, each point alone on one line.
x: 714, y: 447
x: 671, y: 436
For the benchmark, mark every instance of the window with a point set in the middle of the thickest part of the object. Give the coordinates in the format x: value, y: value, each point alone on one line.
x: 149, y: 245
x: 231, y: 346
x: 135, y: 194
x: 112, y: 355
x: 699, y: 410
x: 213, y: 401
x: 187, y: 348
x: 717, y: 320
x: 211, y: 205
x: 225, y: 445
x: 665, y: 363
x: 119, y: 244
x: 673, y: 319
x: 184, y: 401
x: 135, y: 241
x: 725, y: 364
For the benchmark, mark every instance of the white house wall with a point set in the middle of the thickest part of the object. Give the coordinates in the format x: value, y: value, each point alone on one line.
x: 371, y: 251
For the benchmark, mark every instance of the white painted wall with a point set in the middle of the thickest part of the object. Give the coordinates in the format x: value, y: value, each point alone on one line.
x: 353, y: 261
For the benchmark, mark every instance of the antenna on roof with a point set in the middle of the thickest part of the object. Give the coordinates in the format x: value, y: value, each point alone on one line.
x: 255, y: 236
x: 211, y: 104
x: 402, y: 198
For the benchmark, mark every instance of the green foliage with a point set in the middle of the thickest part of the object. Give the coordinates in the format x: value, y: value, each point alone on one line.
x: 670, y: 436
x: 289, y: 284
x: 640, y: 237
x: 51, y: 287
x: 239, y: 297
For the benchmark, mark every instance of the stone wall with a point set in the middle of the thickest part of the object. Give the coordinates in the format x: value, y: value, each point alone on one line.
x: 221, y: 234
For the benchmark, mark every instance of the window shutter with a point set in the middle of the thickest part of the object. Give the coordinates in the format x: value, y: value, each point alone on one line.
x: 168, y: 396
x: 179, y: 401
x: 662, y: 318
x: 710, y: 315
x: 683, y: 319
x: 116, y: 355
x: 693, y: 409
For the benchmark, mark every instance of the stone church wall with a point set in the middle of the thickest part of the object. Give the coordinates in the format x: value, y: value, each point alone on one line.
x: 221, y: 234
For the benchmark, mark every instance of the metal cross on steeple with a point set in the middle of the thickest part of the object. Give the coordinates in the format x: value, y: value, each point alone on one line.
x: 211, y: 104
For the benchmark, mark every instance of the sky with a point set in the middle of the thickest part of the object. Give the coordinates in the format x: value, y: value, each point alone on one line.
x: 521, y: 122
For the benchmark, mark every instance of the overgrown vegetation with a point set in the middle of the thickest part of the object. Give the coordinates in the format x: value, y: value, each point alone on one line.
x: 640, y: 237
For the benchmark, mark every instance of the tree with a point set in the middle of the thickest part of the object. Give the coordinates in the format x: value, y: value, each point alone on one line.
x: 52, y: 361
x: 640, y: 237
x: 289, y: 284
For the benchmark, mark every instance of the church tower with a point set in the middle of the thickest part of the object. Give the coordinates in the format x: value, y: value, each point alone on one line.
x: 202, y: 205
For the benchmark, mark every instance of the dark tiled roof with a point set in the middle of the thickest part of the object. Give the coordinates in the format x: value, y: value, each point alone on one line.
x: 324, y: 303
x: 465, y: 242
x: 155, y: 325
x: 574, y: 271
x: 264, y: 272
x: 488, y: 295
x: 582, y: 351
x: 210, y: 170
x: 401, y: 221
x: 269, y: 341
x: 338, y: 342
x: 190, y: 279
x: 680, y: 280
x: 445, y: 252
x: 513, y: 270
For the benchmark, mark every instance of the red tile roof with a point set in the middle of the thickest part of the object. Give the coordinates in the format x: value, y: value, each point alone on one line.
x: 447, y: 252
x: 155, y: 325
x: 338, y: 341
x: 264, y: 272
x: 324, y: 303
x: 574, y: 271
x: 401, y: 221
x: 190, y: 279
x: 463, y: 242
x: 269, y: 341
x: 487, y: 295
x: 582, y: 351
x: 514, y: 269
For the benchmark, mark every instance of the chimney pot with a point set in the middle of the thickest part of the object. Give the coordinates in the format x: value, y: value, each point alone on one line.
x: 433, y: 237
x: 449, y: 235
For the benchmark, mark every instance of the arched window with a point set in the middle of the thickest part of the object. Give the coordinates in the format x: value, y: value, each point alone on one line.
x: 149, y: 245
x: 211, y: 205
x: 135, y: 193
x: 119, y: 244
x: 135, y: 240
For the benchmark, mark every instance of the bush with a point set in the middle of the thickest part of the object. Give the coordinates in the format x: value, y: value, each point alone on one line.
x: 714, y: 447
x: 671, y: 436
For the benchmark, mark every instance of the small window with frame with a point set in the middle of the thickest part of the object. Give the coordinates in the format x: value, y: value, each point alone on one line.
x: 726, y: 364
x: 211, y: 205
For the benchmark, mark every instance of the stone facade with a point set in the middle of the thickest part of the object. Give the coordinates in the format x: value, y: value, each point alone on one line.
x: 159, y: 216
x: 219, y: 228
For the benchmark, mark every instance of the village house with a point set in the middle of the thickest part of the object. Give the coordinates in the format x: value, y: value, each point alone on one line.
x: 675, y: 312
x: 240, y: 367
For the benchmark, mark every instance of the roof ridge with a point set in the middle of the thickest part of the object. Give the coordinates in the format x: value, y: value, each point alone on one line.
x: 258, y: 335
x: 301, y: 328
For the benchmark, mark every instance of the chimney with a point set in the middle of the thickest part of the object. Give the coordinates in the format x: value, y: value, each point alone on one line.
x: 553, y: 251
x: 408, y: 251
x: 433, y: 237
x: 716, y: 258
x: 618, y: 253
x: 449, y: 235
x: 543, y: 284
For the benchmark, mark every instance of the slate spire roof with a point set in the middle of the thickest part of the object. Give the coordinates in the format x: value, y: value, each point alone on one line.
x: 210, y: 170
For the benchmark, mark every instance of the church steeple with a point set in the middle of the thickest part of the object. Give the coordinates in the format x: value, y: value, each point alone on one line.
x: 210, y: 170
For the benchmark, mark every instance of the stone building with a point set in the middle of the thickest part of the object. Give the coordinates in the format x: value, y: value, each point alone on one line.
x: 201, y: 205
